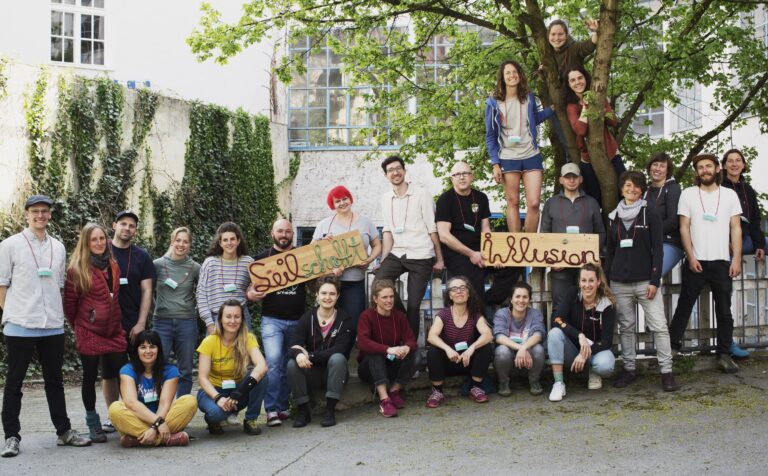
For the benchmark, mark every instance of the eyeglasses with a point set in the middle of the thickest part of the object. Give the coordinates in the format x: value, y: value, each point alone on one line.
x: 391, y: 170
x: 461, y: 174
x: 456, y: 289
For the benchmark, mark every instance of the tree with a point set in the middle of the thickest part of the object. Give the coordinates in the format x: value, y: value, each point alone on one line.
x: 645, y: 56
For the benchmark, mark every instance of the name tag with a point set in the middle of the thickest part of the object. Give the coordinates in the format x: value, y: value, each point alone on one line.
x: 626, y: 243
x: 123, y: 281
x: 391, y: 357
x: 44, y: 272
x: 150, y: 396
x: 744, y: 219
x: 513, y: 138
x: 572, y: 229
x: 517, y: 340
x: 461, y: 346
x: 710, y: 217
x: 229, y: 288
x: 399, y: 230
x: 228, y: 384
x: 171, y: 283
x: 469, y: 227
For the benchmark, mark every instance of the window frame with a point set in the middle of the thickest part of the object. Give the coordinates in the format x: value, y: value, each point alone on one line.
x: 78, y: 11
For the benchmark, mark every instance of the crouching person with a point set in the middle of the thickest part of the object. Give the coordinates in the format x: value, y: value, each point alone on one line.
x: 148, y: 415
x: 321, y: 338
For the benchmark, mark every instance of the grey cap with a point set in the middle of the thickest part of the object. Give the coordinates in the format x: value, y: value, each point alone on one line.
x: 570, y: 168
x: 38, y: 199
x: 126, y: 213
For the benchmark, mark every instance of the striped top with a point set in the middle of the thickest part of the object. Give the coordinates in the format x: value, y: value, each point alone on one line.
x: 216, y: 278
x: 452, y: 335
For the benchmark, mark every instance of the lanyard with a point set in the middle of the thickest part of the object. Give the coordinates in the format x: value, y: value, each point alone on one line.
x: 620, y: 225
x: 168, y: 274
x: 237, y: 269
x: 312, y: 327
x: 702, y: 201
x: 34, y: 256
x: 334, y: 218
x: 591, y: 318
x: 655, y: 201
x: 458, y: 199
x: 522, y: 326
x: 505, y: 116
x: 381, y: 333
x: 392, y: 211
x: 128, y: 268
x: 581, y: 212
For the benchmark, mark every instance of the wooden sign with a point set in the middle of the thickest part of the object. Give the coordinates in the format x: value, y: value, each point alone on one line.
x: 565, y: 250
x: 308, y: 262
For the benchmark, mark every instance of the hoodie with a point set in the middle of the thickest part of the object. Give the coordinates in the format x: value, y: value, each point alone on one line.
x: 493, y: 124
x: 664, y: 201
x: 308, y: 335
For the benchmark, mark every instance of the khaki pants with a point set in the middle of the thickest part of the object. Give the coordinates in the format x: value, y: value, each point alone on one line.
x: 179, y: 415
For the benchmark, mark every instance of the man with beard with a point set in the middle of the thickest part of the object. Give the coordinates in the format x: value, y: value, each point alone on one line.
x: 709, y: 217
x: 280, y: 312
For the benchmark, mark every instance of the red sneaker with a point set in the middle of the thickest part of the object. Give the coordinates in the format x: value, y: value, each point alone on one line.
x: 283, y: 415
x: 178, y: 439
x: 435, y: 399
x: 387, y: 408
x: 476, y: 394
x: 129, y: 441
x: 397, y: 399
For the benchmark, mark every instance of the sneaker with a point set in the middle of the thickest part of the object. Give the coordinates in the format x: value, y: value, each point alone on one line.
x: 535, y: 388
x: 668, y: 382
x: 215, y: 428
x: 387, y: 408
x: 477, y: 395
x: 435, y: 398
x: 180, y: 438
x: 504, y: 390
x: 737, y: 352
x: 626, y: 379
x: 594, y: 382
x: 107, y: 426
x: 232, y: 419
x: 726, y: 364
x: 72, y: 438
x: 273, y: 419
x: 397, y: 399
x: 250, y: 427
x: 283, y: 415
x: 558, y: 392
x: 127, y: 441
x: 11, y: 447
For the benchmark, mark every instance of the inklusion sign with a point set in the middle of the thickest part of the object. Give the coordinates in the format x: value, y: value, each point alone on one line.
x: 308, y: 262
x: 565, y: 250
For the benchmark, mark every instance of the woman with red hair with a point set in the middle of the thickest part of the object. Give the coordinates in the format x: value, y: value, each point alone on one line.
x: 352, y: 293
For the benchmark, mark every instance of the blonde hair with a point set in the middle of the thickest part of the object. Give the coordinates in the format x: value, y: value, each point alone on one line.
x: 240, y: 345
x: 80, y: 263
x: 175, y: 233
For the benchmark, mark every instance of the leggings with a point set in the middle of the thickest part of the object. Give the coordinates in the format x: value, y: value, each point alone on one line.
x: 110, y: 368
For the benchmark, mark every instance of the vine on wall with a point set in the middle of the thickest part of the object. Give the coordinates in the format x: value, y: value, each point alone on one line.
x: 34, y: 114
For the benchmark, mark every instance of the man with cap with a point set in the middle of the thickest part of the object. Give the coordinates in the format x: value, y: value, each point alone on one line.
x: 710, y: 221
x: 570, y: 211
x: 137, y: 272
x: 32, y: 268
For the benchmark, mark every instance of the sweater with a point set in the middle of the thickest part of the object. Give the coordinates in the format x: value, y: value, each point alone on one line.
x: 308, y: 335
x: 641, y: 262
x: 178, y: 302
x: 664, y: 202
x: 596, y: 324
x: 582, y: 128
x: 750, y: 211
x: 573, y: 53
x: 505, y: 325
x: 493, y: 124
x: 560, y: 212
x: 214, y: 275
x: 376, y: 333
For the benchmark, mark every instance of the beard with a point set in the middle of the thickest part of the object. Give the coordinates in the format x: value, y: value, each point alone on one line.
x: 707, y: 179
x: 281, y: 242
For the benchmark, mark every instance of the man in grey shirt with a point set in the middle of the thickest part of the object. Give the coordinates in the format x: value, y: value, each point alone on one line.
x: 32, y: 265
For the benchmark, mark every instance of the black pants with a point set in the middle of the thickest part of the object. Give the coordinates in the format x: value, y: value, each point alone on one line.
x: 110, y: 368
x: 19, y: 353
x: 377, y: 369
x: 503, y: 278
x: 419, y: 272
x: 439, y: 366
x: 714, y: 273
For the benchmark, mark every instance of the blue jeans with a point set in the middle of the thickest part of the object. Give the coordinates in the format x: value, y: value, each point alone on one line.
x: 276, y: 335
x: 672, y: 256
x: 214, y: 413
x: 562, y: 351
x: 179, y: 335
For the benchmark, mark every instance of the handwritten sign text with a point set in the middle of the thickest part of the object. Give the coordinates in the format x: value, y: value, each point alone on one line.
x: 564, y: 250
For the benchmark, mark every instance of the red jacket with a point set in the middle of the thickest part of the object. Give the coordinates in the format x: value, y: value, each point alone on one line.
x: 581, y: 129
x: 377, y: 333
x: 95, y: 317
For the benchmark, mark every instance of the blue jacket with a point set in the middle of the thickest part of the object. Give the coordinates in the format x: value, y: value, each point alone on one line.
x: 493, y: 126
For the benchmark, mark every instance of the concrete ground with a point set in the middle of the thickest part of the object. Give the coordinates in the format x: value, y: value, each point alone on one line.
x: 717, y: 424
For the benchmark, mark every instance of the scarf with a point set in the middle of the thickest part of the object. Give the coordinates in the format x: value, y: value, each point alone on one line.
x: 100, y: 262
x: 628, y: 213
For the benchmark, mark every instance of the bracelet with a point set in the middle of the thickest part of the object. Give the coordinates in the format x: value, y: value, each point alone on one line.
x: 158, y: 422
x: 217, y: 398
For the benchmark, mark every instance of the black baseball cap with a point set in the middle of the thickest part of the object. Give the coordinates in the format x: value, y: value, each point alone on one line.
x: 126, y: 213
x: 38, y: 199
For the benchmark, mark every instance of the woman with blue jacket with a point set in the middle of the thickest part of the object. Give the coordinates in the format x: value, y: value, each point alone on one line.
x: 511, y: 118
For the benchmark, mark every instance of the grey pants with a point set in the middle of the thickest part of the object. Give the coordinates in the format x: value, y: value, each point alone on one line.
x: 504, y: 363
x: 332, y: 378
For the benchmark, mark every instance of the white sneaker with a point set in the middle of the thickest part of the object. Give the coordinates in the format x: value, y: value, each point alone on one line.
x: 558, y: 392
x: 595, y: 382
x: 232, y: 419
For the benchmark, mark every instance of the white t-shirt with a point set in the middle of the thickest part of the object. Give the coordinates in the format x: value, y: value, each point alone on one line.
x: 710, y: 214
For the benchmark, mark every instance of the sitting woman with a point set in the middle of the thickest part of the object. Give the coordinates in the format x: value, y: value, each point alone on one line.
x: 387, y: 346
x: 459, y: 343
x: 226, y: 386
x: 318, y: 345
x: 148, y: 414
x: 519, y: 331
x: 582, y: 331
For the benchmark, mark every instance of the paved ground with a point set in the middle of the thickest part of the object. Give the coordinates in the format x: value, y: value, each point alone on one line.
x: 718, y: 424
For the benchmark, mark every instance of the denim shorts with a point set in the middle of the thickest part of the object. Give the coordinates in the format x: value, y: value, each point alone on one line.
x: 525, y: 165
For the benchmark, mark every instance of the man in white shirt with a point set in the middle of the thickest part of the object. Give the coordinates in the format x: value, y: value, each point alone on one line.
x: 709, y: 222
x: 410, y: 242
x: 32, y: 266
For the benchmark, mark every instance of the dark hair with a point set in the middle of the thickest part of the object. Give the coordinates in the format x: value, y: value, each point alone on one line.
x: 215, y: 249
x: 661, y: 157
x: 734, y: 151
x: 328, y: 279
x: 570, y: 97
x: 158, y: 368
x: 711, y: 158
x: 500, y: 92
x: 556, y: 23
x: 520, y: 285
x: 389, y: 160
x: 474, y: 307
x: 380, y: 285
x: 637, y: 178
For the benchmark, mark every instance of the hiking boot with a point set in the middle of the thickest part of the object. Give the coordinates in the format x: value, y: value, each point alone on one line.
x: 127, y: 441
x: 558, y: 392
x: 737, y: 352
x: 397, y: 399
x: 726, y: 364
x: 303, y: 417
x: 595, y: 382
x: 107, y: 426
x: 504, y: 390
x: 626, y: 379
x: 95, y: 431
x: 72, y: 438
x: 273, y: 419
x: 180, y: 438
x: 477, y: 395
x: 387, y: 408
x: 11, y: 447
x: 668, y: 382
x: 435, y: 398
x: 215, y: 428
x: 251, y: 427
x: 535, y: 388
x: 329, y: 418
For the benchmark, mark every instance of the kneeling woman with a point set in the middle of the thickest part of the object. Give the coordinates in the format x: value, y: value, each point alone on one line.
x: 387, y: 346
x: 319, y: 342
x: 226, y: 386
x: 459, y: 342
x: 148, y: 414
x: 582, y: 331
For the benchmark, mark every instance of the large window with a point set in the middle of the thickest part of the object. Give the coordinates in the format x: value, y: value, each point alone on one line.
x: 77, y: 32
x: 649, y: 121
x: 687, y: 113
